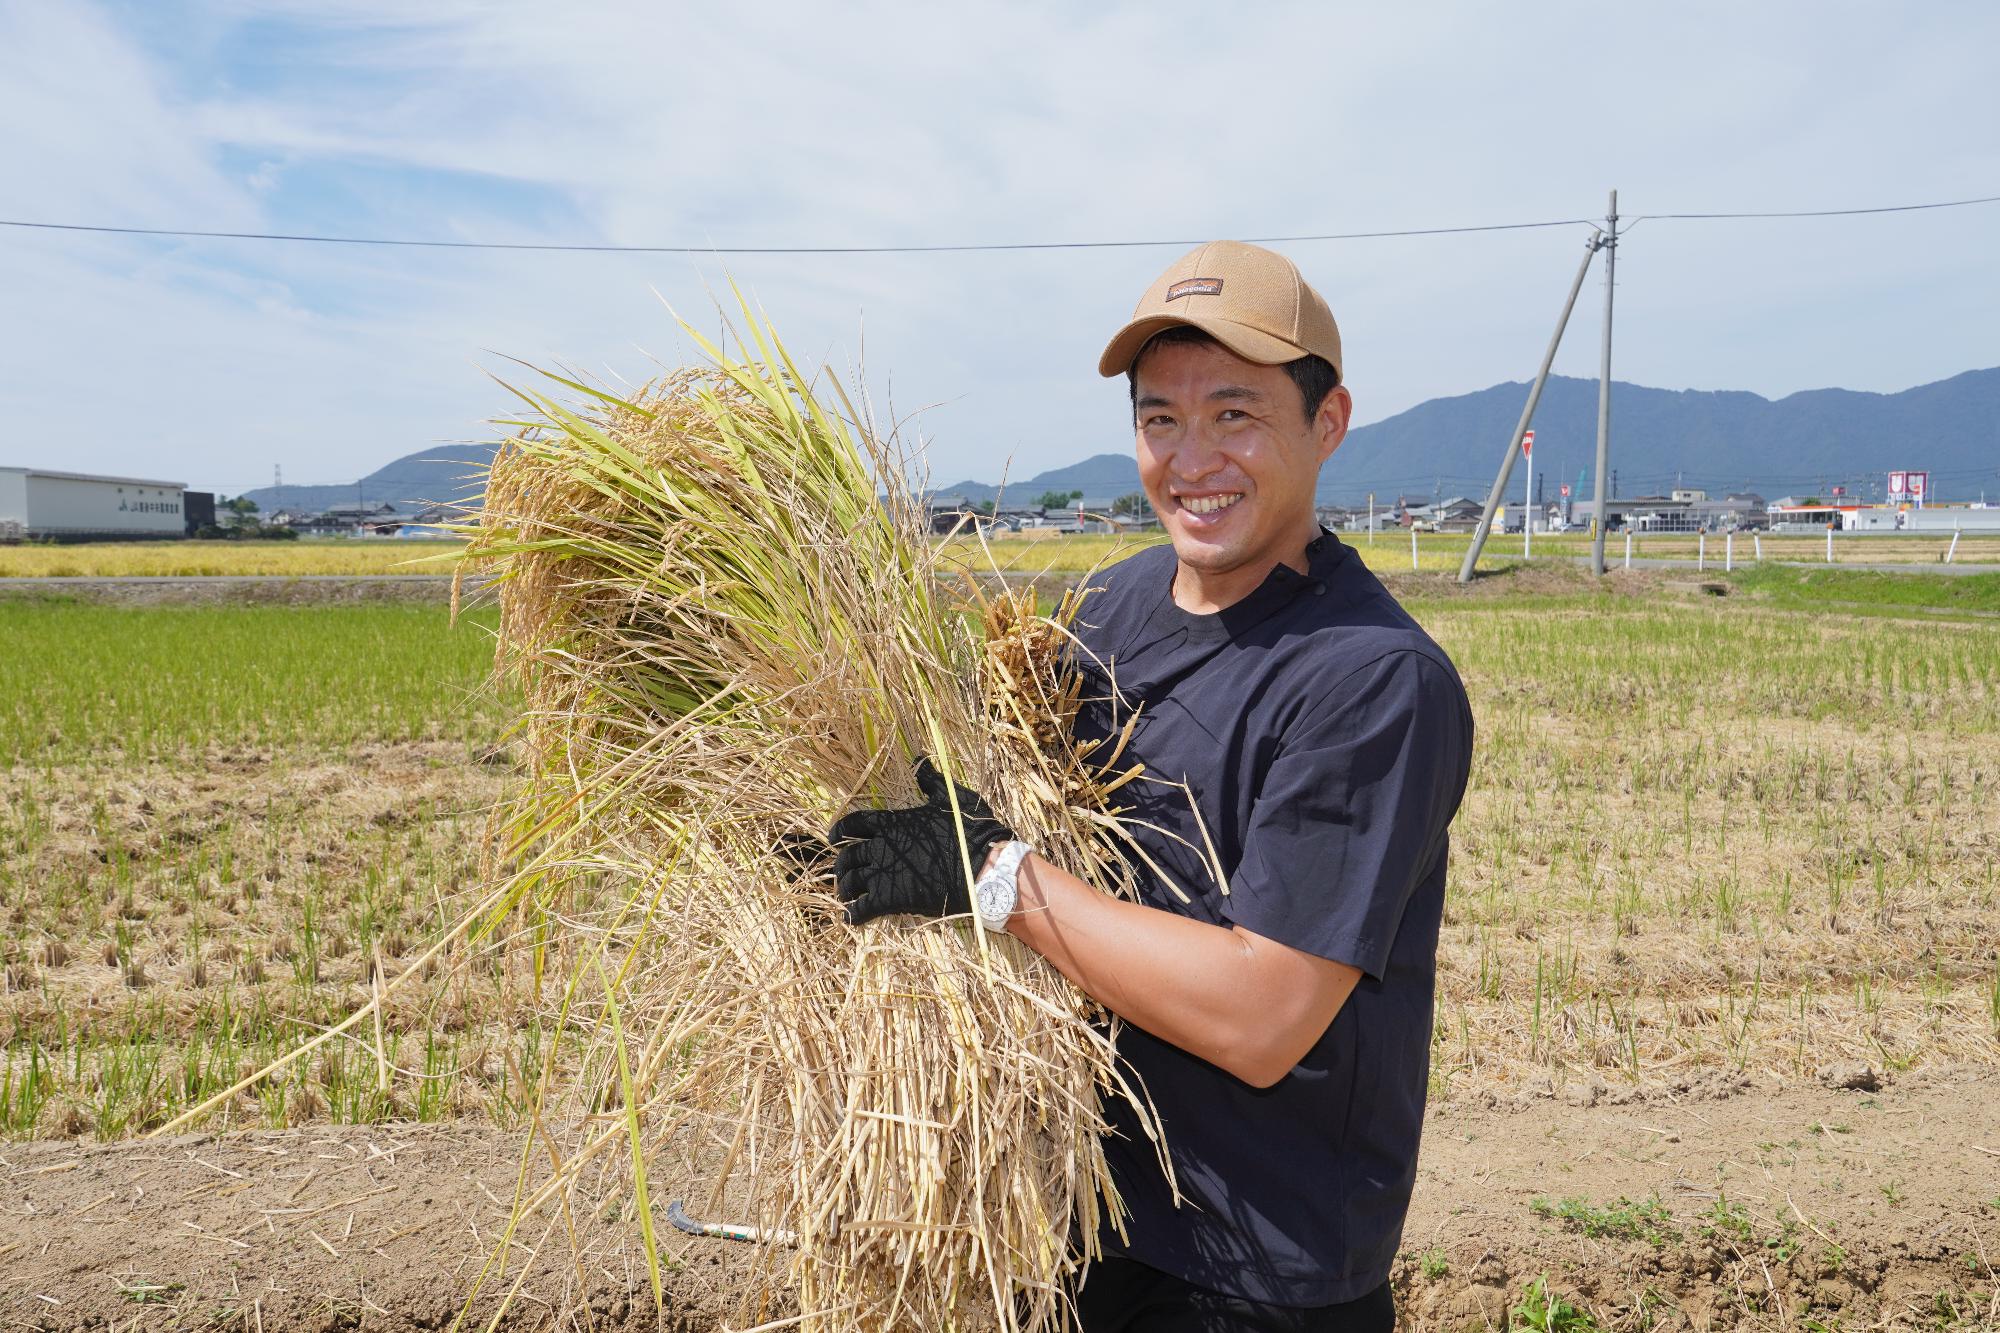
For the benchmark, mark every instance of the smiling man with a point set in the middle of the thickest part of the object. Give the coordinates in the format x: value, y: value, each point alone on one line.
x: 1305, y: 746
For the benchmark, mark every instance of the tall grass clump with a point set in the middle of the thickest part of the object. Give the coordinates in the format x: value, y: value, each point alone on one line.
x: 725, y: 639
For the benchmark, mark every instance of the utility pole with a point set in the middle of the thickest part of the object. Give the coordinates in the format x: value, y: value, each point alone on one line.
x: 1609, y: 241
x: 1499, y: 491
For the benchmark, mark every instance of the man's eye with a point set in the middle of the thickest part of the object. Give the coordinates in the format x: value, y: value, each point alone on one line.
x: 1234, y: 414
x: 1158, y: 421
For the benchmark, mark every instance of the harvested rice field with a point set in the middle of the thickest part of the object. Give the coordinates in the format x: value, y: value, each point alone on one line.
x: 378, y: 557
x: 1717, y: 1040
x: 209, y: 559
x: 1391, y: 550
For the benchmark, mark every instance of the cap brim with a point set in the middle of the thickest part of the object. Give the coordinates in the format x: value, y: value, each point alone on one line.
x: 1253, y: 345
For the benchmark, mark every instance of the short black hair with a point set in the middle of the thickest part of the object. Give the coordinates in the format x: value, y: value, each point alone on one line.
x: 1314, y: 375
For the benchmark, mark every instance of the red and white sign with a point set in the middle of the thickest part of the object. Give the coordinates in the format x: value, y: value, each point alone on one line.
x: 1899, y: 485
x: 1919, y: 483
x: 1527, y: 442
x: 1565, y: 492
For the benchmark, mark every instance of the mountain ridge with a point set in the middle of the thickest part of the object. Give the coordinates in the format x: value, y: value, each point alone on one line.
x: 1715, y: 439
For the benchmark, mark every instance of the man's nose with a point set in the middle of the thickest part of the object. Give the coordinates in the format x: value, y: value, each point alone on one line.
x: 1197, y: 457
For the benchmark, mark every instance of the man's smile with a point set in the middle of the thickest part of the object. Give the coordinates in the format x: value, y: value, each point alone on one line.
x: 1209, y: 504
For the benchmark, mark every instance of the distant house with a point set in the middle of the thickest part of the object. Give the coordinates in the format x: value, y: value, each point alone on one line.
x: 1458, y: 514
x: 348, y: 520
x: 433, y: 521
x: 1732, y: 513
x: 1334, y: 518
x: 956, y: 515
x: 1807, y: 514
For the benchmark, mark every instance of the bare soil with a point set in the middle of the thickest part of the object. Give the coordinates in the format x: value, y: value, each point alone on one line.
x: 1775, y: 1206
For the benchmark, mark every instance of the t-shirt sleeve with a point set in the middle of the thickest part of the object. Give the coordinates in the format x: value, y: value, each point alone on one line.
x: 1352, y: 812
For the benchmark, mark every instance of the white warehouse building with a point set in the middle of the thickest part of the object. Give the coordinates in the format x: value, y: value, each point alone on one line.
x: 38, y: 504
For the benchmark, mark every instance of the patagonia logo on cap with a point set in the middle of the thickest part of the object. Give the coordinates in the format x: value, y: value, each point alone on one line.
x: 1195, y: 287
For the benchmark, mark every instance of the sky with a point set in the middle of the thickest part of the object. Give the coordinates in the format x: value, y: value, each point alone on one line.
x: 784, y: 124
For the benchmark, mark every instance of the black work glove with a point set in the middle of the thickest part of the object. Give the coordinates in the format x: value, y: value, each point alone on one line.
x: 909, y: 860
x: 809, y: 855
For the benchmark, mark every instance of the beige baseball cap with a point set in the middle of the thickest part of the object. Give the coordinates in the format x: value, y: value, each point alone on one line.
x: 1249, y: 299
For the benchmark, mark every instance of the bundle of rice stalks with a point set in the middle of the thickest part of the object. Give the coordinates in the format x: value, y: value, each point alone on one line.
x: 725, y: 640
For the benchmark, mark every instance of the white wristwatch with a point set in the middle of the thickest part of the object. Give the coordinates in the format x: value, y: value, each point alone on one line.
x: 996, y: 892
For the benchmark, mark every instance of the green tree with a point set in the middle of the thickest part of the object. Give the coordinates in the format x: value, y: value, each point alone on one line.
x: 1134, y: 504
x: 1058, y: 499
x: 984, y: 506
x: 241, y: 512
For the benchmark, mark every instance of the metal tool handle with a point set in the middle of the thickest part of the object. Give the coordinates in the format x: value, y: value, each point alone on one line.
x: 678, y: 1216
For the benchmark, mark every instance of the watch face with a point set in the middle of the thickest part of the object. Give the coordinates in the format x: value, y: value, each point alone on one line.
x: 996, y: 902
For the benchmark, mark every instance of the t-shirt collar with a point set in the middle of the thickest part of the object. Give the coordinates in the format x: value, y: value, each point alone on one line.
x: 1280, y: 588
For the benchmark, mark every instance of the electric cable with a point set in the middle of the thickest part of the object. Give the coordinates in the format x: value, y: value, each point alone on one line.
x: 765, y: 249
x: 949, y: 248
x: 1818, y: 212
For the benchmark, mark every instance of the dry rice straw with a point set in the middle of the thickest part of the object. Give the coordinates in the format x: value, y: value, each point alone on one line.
x: 724, y: 638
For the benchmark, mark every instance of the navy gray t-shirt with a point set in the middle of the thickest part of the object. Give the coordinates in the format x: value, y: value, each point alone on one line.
x: 1326, y: 740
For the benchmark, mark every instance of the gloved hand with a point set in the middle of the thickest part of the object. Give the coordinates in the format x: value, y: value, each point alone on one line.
x: 810, y: 855
x: 909, y: 860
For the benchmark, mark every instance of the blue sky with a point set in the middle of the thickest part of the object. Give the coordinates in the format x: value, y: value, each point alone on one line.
x: 213, y: 361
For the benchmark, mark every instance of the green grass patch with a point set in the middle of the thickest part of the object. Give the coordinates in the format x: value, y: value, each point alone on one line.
x: 1848, y: 589
x: 1624, y: 1220
x: 1548, y: 1311
x: 84, y: 680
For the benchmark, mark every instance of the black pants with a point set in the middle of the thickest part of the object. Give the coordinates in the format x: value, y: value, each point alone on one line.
x: 1123, y: 1296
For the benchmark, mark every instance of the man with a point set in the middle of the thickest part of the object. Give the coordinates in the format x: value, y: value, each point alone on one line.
x: 1276, y: 975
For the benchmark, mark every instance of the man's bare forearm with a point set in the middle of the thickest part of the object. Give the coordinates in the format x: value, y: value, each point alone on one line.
x: 1244, y: 1003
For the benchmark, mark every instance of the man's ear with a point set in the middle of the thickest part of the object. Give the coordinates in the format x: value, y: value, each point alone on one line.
x: 1330, y: 422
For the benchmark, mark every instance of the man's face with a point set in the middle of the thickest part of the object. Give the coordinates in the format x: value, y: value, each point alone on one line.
x: 1230, y: 461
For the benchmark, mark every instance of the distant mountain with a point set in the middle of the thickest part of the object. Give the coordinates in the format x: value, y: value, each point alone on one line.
x: 448, y: 473
x: 1101, y: 477
x: 1717, y: 441
x: 1660, y: 438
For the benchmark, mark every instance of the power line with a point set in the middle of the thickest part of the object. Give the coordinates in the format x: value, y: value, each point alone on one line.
x: 1820, y: 212
x: 763, y: 249
x: 953, y: 248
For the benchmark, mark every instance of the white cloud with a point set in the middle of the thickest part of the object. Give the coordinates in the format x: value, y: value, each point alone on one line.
x: 795, y: 124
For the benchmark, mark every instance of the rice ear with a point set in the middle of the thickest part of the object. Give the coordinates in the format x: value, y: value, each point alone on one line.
x: 724, y: 638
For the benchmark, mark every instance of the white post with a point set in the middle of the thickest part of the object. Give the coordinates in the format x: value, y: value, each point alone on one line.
x: 1700, y: 552
x: 1757, y: 540
x: 1628, y: 548
x: 1413, y: 546
x: 1829, y: 543
x: 1952, y: 553
x: 1528, y: 511
x: 1729, y: 551
x: 1371, y: 518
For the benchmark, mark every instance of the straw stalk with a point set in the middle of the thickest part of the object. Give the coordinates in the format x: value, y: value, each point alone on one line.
x: 725, y: 639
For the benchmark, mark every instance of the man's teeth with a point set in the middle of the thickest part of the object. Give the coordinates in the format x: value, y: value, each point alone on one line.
x: 1208, y: 504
